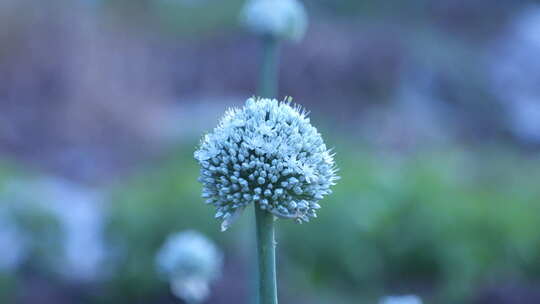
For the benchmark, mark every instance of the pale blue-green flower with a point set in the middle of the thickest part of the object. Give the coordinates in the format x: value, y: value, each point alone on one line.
x: 190, y: 262
x: 406, y: 299
x: 278, y: 18
x: 267, y: 154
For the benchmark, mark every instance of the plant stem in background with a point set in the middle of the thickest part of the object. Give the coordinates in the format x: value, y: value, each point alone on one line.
x: 268, y: 85
x: 264, y: 220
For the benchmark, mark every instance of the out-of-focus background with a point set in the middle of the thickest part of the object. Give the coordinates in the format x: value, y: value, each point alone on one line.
x: 433, y: 108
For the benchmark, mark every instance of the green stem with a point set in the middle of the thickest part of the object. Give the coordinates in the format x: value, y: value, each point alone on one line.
x: 266, y: 244
x: 266, y: 249
x: 268, y: 86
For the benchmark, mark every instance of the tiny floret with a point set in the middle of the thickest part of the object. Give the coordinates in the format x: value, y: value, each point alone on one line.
x: 278, y: 18
x: 267, y: 154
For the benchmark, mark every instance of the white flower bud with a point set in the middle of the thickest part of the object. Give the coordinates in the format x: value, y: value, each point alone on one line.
x: 279, y: 18
x: 190, y: 262
x: 405, y: 299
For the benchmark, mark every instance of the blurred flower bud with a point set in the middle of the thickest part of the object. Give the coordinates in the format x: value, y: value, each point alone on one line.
x: 278, y: 18
x: 406, y: 299
x: 72, y: 209
x: 190, y: 262
x: 268, y: 154
x: 515, y: 74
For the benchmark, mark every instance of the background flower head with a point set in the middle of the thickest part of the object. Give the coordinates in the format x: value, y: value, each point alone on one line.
x: 190, y: 262
x: 279, y: 18
x: 405, y: 299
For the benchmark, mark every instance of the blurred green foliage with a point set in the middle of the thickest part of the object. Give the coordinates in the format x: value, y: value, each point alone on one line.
x: 439, y: 222
x: 186, y: 17
x: 38, y: 230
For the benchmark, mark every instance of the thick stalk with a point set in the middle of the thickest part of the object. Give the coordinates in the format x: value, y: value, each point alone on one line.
x: 266, y: 245
x: 266, y: 249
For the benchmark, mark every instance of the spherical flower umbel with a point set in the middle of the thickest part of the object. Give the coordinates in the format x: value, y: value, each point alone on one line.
x: 278, y: 18
x: 267, y: 154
